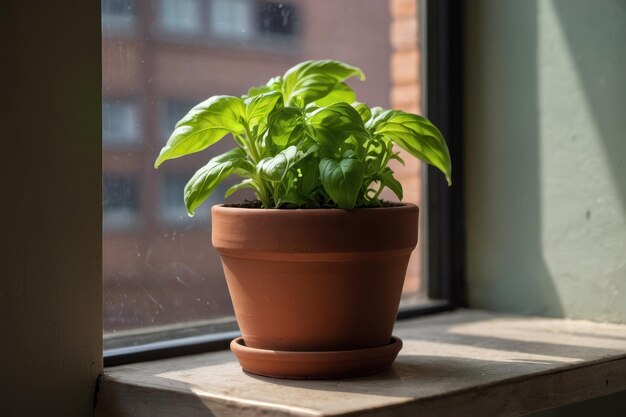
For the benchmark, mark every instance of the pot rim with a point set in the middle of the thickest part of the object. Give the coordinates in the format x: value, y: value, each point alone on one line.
x: 397, y: 206
x: 237, y: 231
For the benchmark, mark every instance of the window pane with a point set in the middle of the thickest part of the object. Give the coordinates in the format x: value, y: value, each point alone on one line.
x: 276, y: 18
x: 121, y: 201
x: 172, y: 205
x: 180, y: 16
x: 231, y: 18
x: 161, y: 275
x: 118, y: 14
x: 120, y: 124
x: 173, y: 111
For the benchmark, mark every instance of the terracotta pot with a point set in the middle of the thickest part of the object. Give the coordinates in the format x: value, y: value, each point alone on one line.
x: 318, y: 279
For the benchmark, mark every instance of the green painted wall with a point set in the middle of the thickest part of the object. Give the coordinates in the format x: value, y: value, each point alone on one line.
x: 546, y: 157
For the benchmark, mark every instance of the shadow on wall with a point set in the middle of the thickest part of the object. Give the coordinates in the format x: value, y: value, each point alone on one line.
x: 505, y: 263
x: 600, y: 67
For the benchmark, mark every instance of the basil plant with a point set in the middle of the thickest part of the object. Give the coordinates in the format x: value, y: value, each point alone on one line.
x: 303, y: 141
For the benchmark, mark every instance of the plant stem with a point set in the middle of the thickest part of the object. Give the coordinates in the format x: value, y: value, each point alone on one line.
x: 249, y: 145
x: 262, y: 193
x: 252, y: 145
x: 380, y: 190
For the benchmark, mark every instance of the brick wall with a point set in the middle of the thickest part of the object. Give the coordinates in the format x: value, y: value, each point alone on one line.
x: 406, y: 94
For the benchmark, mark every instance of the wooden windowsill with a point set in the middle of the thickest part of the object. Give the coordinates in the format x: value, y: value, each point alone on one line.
x: 452, y: 364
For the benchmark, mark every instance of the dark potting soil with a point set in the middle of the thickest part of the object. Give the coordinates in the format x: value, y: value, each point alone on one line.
x: 256, y: 204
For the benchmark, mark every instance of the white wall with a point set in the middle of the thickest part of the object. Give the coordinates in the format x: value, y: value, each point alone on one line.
x: 546, y: 157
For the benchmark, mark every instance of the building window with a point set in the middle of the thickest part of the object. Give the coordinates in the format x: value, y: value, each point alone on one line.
x: 118, y: 14
x: 120, y: 202
x: 120, y: 124
x: 183, y: 17
x: 231, y: 18
x: 172, y: 205
x: 276, y: 18
x: 245, y: 19
x: 173, y: 111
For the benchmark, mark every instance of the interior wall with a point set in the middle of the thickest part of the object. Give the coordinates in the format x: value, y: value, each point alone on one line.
x: 546, y: 163
x: 50, y: 291
x: 546, y: 157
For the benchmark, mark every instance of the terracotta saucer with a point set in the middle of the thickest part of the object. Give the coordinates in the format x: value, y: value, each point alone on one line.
x: 316, y: 365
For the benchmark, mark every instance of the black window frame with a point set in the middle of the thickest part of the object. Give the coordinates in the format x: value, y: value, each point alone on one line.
x: 445, y: 109
x: 445, y: 205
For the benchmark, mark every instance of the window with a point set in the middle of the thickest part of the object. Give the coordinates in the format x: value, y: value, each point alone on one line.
x: 251, y: 20
x: 172, y: 205
x: 120, y: 202
x: 118, y: 14
x: 182, y: 17
x: 231, y: 18
x: 120, y: 126
x: 173, y: 111
x: 276, y: 18
x: 162, y: 278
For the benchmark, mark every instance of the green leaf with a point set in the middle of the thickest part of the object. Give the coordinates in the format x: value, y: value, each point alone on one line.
x: 285, y: 126
x: 416, y: 135
x: 204, y: 125
x: 375, y: 113
x: 363, y: 110
x: 389, y: 181
x: 397, y: 157
x: 275, y: 168
x: 332, y: 125
x: 376, y: 157
x: 274, y: 84
x: 342, y: 180
x: 309, y: 176
x: 207, y: 178
x: 305, y: 112
x: 340, y: 93
x: 311, y: 80
x: 247, y: 183
x: 259, y: 107
x: 291, y: 199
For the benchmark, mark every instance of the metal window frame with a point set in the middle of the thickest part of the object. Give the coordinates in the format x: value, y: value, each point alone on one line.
x: 446, y: 231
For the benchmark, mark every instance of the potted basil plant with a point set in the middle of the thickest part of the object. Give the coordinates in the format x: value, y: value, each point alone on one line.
x: 315, y: 268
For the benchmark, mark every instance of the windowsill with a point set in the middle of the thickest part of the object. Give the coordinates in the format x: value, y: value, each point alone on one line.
x: 451, y: 364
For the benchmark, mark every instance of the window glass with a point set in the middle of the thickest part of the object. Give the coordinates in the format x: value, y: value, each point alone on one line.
x: 118, y: 14
x: 173, y: 111
x: 172, y: 206
x: 181, y: 16
x: 276, y: 18
x: 231, y: 18
x: 161, y: 275
x: 121, y: 201
x: 120, y: 124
